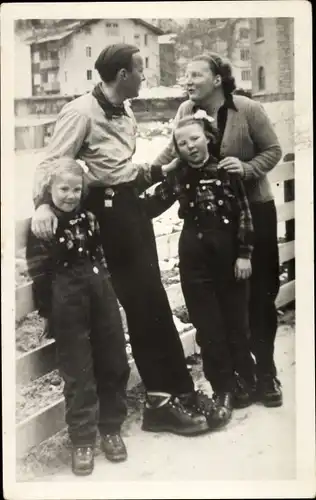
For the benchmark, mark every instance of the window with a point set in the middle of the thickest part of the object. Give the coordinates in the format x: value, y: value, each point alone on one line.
x: 112, y: 29
x: 88, y: 51
x: 137, y: 40
x: 261, y: 78
x: 36, y: 57
x: 146, y: 62
x: 243, y: 33
x: 146, y: 40
x: 44, y: 55
x: 37, y: 79
x: 89, y: 74
x: 246, y: 75
x: 44, y: 77
x: 259, y: 28
x: 53, y: 54
x: 244, y: 54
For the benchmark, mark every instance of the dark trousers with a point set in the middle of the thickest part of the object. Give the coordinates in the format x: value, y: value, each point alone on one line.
x: 130, y: 250
x: 90, y: 343
x: 264, y: 286
x: 217, y: 304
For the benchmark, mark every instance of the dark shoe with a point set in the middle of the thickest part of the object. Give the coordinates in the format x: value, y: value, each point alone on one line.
x: 173, y: 417
x: 113, y: 447
x: 269, y: 391
x: 82, y: 458
x: 201, y: 404
x: 243, y: 394
x: 224, y: 406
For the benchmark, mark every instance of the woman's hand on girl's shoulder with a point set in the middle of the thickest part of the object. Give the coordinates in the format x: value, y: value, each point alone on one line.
x: 232, y: 165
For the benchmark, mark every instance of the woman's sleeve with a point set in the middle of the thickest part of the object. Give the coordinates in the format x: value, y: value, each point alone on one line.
x: 267, y: 146
x: 68, y: 137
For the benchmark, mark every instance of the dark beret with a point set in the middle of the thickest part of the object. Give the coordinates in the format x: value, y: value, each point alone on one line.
x: 113, y: 58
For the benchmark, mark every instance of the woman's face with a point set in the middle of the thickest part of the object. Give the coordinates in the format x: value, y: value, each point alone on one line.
x: 200, y: 80
x: 192, y: 144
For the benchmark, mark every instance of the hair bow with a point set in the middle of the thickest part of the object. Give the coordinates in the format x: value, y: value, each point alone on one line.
x: 200, y: 114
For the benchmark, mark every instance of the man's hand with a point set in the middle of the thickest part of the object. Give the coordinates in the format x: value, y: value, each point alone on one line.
x: 231, y: 165
x: 242, y: 268
x: 170, y: 166
x: 44, y: 222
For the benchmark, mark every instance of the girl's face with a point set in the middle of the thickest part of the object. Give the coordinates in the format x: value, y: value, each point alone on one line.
x: 66, y: 191
x: 192, y: 144
x: 200, y: 81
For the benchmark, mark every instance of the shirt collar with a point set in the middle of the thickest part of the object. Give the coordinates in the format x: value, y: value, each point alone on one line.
x: 228, y: 104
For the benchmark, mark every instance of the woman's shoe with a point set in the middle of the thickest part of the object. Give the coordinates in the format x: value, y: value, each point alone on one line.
x: 243, y: 393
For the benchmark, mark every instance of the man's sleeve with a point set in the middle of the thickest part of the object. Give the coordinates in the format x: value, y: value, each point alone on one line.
x: 69, y: 134
x: 162, y: 198
x: 268, y: 149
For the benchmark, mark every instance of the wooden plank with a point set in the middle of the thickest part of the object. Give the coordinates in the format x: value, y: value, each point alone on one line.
x: 282, y: 172
x: 286, y: 294
x: 39, y: 427
x: 36, y: 363
x: 167, y: 246
x: 285, y: 212
x: 21, y: 229
x: 286, y: 251
x: 24, y: 302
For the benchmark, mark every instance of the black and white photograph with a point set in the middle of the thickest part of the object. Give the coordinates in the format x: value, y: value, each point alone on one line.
x: 157, y: 257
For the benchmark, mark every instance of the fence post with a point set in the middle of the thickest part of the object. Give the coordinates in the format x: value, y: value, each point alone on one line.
x: 289, y: 195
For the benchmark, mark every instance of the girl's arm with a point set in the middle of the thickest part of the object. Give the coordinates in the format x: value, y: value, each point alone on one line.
x: 245, y: 226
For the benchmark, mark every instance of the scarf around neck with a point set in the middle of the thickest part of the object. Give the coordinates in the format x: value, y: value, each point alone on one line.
x: 109, y: 109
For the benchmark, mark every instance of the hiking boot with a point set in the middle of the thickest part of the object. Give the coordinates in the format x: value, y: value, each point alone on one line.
x: 82, y: 458
x: 243, y: 393
x: 202, y: 404
x: 171, y: 416
x: 224, y: 405
x: 113, y: 447
x: 269, y: 391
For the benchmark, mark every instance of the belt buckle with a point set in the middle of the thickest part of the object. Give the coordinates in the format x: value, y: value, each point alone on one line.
x: 108, y: 195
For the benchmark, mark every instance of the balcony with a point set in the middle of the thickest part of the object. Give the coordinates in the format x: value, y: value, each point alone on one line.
x: 51, y: 87
x: 49, y: 64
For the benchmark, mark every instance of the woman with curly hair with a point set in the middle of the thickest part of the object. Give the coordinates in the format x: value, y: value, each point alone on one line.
x: 248, y: 148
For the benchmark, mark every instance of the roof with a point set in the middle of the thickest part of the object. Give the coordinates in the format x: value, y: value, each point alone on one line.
x: 74, y: 27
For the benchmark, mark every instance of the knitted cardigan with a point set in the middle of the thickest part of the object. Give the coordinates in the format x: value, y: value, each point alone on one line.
x: 249, y: 136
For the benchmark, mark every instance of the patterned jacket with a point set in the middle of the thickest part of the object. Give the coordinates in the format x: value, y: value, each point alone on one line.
x: 204, y: 193
x: 77, y: 238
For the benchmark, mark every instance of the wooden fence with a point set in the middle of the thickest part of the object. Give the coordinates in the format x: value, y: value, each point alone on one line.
x: 41, y: 361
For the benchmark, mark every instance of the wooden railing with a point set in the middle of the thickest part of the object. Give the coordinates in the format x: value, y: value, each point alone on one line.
x: 41, y: 361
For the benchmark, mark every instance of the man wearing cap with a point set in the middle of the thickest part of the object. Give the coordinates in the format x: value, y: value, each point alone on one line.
x: 100, y: 129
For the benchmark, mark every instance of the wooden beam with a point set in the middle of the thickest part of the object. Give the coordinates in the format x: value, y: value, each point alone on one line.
x: 285, y: 212
x: 282, y: 172
x: 286, y: 294
x: 36, y: 363
x: 286, y: 251
x: 24, y: 303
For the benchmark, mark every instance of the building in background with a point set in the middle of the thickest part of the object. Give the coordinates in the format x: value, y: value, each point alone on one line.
x: 167, y: 59
x: 272, y: 56
x: 62, y: 62
x: 22, y: 68
x: 233, y: 41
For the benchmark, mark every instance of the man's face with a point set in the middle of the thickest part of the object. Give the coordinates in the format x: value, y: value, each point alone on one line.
x: 192, y: 143
x: 135, y: 77
x: 199, y: 80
